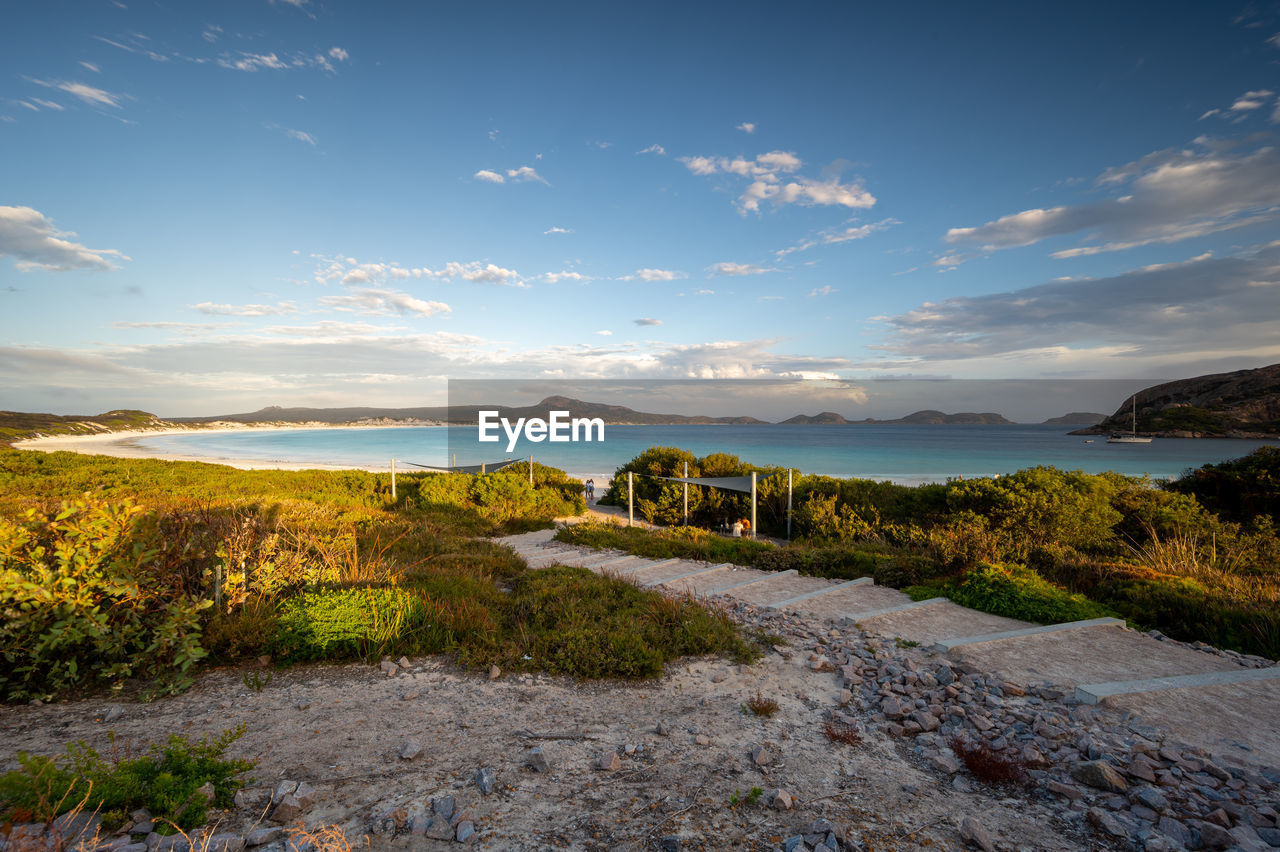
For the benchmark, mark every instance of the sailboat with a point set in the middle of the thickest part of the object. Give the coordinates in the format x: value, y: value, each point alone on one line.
x: 1132, y: 437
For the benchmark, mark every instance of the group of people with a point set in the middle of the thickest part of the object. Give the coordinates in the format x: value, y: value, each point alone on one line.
x: 740, y: 528
x: 590, y: 488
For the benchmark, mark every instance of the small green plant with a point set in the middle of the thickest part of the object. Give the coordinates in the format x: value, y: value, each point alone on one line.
x: 905, y: 643
x: 749, y: 799
x: 758, y: 705
x: 255, y: 681
x: 166, y: 781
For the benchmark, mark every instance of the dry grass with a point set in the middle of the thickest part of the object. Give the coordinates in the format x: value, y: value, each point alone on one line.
x: 1213, y: 565
x: 324, y: 838
x: 758, y: 705
x: 990, y: 766
x: 839, y: 732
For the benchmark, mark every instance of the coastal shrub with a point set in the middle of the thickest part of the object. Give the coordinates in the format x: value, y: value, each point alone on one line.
x: 675, y: 542
x: 572, y: 621
x: 1013, y: 591
x: 86, y: 604
x: 838, y: 563
x: 164, y: 781
x: 1238, y: 490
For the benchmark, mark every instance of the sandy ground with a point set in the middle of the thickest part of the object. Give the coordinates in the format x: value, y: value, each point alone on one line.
x: 341, y: 727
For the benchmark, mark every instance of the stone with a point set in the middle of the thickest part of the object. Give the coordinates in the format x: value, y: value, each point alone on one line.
x: 287, y: 809
x: 494, y: 672
x: 536, y: 760
x: 1268, y: 835
x: 263, y: 836
x: 972, y: 831
x: 115, y: 711
x: 781, y: 800
x: 305, y: 794
x: 71, y: 827
x: 418, y: 825
x: 389, y: 668
x: 171, y: 843
x: 486, y: 780
x: 1246, y: 838
x: 608, y: 762
x: 207, y: 792
x: 224, y: 843
x: 1149, y: 797
x: 465, y: 831
x: 662, y: 730
x: 760, y: 755
x: 410, y: 749
x: 1176, y: 831
x: 440, y: 829
x: 926, y: 721
x: 702, y: 740
x: 1105, y: 822
x: 946, y: 763
x: 719, y: 677
x: 1100, y: 775
x: 669, y: 843
x: 443, y: 806
x: 1212, y: 835
x: 845, y: 697
x: 792, y: 843
x: 403, y: 662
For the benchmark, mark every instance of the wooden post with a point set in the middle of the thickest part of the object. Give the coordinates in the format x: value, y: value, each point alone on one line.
x: 217, y: 588
x: 482, y: 464
x: 393, y: 480
x: 631, y: 506
x: 686, y: 495
x: 753, y: 504
x: 788, y: 504
x: 530, y: 470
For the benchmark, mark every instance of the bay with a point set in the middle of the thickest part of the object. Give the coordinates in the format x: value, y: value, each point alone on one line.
x: 907, y: 454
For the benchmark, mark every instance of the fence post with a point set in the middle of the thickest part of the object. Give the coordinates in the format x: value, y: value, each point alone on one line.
x: 686, y: 495
x: 631, y: 508
x: 788, y: 504
x: 530, y: 470
x: 393, y: 480
x: 753, y: 504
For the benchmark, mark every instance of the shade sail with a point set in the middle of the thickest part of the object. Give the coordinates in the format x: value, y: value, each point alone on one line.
x: 725, y: 483
x: 487, y: 467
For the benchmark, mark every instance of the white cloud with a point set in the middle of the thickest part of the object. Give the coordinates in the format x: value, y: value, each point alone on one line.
x: 604, y: 332
x: 1200, y: 305
x: 31, y: 238
x: 647, y: 321
x: 1170, y: 196
x: 842, y: 235
x: 558, y: 230
x: 490, y: 176
x: 48, y: 104
x: 246, y: 310
x: 767, y: 183
x: 300, y: 136
x: 338, y: 54
x: 475, y: 271
x: 653, y: 149
x: 824, y: 290
x: 555, y: 277
x: 727, y: 268
x: 525, y: 173
x: 1242, y: 106
x: 746, y: 127
x: 252, y: 62
x: 91, y: 95
x: 655, y: 275
x: 705, y: 292
x: 348, y: 271
x: 89, y: 65
x: 382, y: 301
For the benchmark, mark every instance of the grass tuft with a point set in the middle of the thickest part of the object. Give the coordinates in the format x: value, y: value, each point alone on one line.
x: 758, y: 705
x: 990, y: 766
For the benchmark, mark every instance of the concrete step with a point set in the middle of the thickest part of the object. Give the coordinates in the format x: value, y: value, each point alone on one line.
x: 849, y: 600
x: 944, y: 620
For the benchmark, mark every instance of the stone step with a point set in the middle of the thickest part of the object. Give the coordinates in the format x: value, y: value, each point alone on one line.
x: 942, y: 646
x: 834, y: 587
x: 849, y: 600
x: 944, y: 620
x: 762, y: 577
x: 685, y: 575
x: 1096, y: 693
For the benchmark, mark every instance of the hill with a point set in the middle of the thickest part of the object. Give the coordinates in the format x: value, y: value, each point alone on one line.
x: 15, y: 425
x: 1242, y: 404
x: 1077, y: 418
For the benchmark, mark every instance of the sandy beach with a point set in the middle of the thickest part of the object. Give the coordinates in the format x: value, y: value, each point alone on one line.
x: 126, y: 444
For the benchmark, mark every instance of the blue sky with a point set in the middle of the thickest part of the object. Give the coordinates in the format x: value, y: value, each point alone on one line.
x: 210, y: 207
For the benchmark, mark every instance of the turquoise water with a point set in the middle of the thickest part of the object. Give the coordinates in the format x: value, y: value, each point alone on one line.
x: 908, y: 454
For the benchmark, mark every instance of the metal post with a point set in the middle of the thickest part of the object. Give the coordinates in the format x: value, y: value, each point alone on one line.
x: 530, y: 470
x: 455, y: 460
x: 753, y: 504
x: 631, y: 506
x: 482, y: 467
x: 393, y: 480
x: 788, y: 504
x: 686, y: 495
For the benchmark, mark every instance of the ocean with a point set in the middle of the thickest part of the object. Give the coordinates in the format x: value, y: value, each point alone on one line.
x: 907, y: 454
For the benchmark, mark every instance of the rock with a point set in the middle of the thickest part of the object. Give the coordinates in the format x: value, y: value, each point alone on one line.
x: 443, y: 807
x: 845, y: 697
x: 115, y: 711
x: 465, y: 831
x: 662, y: 730
x: 719, y: 677
x: 389, y: 668
x: 418, y: 825
x: 702, y: 740
x: 71, y: 827
x: 1212, y: 835
x: 608, y: 762
x: 305, y: 794
x: 1100, y: 775
x: 1149, y: 797
x: 792, y: 843
x: 287, y: 809
x: 224, y: 843
x: 207, y: 792
x: 1248, y: 839
x: 670, y: 843
x: 1176, y: 831
x: 263, y: 836
x: 171, y: 843
x: 486, y: 780
x: 284, y: 788
x: 946, y: 763
x: 537, y: 760
x: 926, y: 721
x: 760, y: 756
x: 409, y: 696
x: 494, y: 672
x: 972, y: 831
x: 410, y: 749
x: 781, y: 800
x: 1105, y: 822
x: 440, y: 829
x: 403, y: 662
x: 1268, y: 835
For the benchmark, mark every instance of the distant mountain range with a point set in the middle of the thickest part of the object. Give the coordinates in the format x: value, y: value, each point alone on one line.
x: 1242, y: 404
x: 928, y: 417
x: 1077, y: 418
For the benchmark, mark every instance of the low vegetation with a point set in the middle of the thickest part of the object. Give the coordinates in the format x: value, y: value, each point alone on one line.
x: 759, y: 705
x: 165, y: 780
x: 1197, y: 558
x: 997, y: 768
x: 124, y: 572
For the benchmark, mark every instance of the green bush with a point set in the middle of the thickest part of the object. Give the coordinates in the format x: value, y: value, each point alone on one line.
x: 1239, y: 490
x: 572, y: 621
x: 676, y: 542
x: 1014, y: 592
x: 85, y: 603
x: 164, y: 781
x: 838, y: 563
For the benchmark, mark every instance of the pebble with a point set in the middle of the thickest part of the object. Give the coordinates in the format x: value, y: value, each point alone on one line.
x: 972, y: 831
x: 410, y: 749
x: 486, y: 780
x: 536, y: 760
x: 608, y: 762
